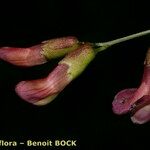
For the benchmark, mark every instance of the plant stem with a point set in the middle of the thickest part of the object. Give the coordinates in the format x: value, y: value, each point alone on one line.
x: 104, y: 45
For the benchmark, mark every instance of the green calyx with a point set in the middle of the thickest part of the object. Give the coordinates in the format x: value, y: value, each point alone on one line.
x: 78, y: 60
x: 51, y: 53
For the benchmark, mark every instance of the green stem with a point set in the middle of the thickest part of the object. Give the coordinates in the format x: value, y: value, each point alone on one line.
x: 104, y: 45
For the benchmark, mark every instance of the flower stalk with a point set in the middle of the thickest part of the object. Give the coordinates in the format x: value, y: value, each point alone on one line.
x: 104, y: 45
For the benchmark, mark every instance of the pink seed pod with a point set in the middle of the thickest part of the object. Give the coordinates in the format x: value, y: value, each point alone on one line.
x: 43, y: 91
x: 39, y: 54
x: 136, y: 100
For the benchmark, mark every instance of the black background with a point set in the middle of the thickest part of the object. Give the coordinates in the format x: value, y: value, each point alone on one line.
x: 83, y: 110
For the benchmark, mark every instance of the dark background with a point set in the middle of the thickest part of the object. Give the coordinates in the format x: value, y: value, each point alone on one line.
x: 83, y: 110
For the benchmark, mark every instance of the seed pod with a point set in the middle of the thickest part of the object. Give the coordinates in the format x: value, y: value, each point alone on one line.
x: 43, y: 91
x: 39, y: 54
